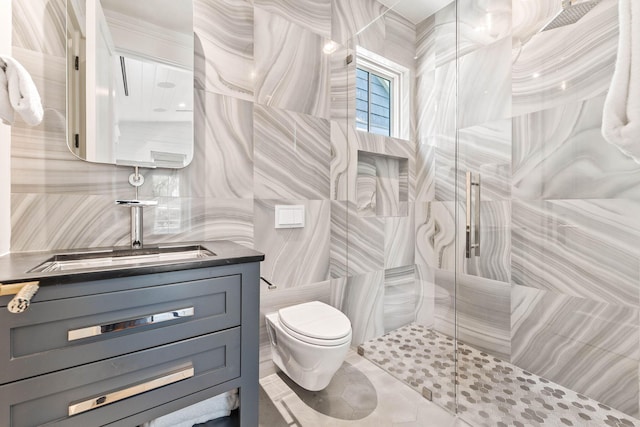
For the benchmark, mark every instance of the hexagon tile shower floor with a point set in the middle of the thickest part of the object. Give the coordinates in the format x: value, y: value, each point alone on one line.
x: 492, y: 392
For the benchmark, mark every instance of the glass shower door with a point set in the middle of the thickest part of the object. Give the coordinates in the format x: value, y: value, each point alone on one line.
x: 547, y: 279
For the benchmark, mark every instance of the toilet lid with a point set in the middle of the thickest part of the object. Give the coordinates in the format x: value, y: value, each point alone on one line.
x: 316, y: 320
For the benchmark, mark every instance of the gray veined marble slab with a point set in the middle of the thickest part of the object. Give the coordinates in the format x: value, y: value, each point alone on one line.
x: 338, y: 251
x: 486, y: 150
x: 342, y: 78
x: 447, y: 170
x: 340, y: 159
x: 560, y: 153
x: 365, y: 240
x: 382, y: 185
x: 389, y: 172
x: 230, y: 219
x: 292, y: 155
x: 494, y: 261
x: 351, y: 17
x: 528, y: 17
x: 292, y: 71
x: 426, y: 45
x: 39, y: 26
x: 225, y: 32
x: 588, y: 346
x: 294, y: 256
x: 425, y: 278
x: 567, y: 64
x: 367, y: 184
x: 482, y: 149
x: 400, y: 36
x: 363, y: 304
x: 425, y: 171
x: 484, y: 85
x: 399, y: 240
x: 402, y: 295
x: 477, y: 24
x: 581, y: 248
x: 59, y: 221
x: 229, y: 147
x: 440, y: 242
x: 425, y: 235
x: 436, y: 102
x: 405, y: 151
x: 314, y: 15
x: 436, y: 235
x: 445, y: 34
x: 482, y: 314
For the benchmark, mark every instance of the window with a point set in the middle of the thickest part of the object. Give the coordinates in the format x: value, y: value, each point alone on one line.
x: 380, y: 86
x: 373, y: 102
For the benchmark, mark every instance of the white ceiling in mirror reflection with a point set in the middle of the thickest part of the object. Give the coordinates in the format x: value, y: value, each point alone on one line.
x: 416, y: 10
x: 156, y: 92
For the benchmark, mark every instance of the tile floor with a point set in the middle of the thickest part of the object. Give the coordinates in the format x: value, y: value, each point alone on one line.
x: 360, y: 394
x: 491, y: 392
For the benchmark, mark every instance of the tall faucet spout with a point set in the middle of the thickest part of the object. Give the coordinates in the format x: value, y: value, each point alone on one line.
x: 137, y: 224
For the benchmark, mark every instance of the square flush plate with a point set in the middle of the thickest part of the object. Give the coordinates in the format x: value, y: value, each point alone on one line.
x: 289, y: 216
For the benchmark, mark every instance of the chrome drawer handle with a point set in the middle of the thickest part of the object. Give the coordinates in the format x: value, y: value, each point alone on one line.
x: 115, y: 396
x: 92, y: 331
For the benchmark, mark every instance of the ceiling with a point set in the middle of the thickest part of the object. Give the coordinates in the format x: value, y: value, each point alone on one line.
x: 416, y: 10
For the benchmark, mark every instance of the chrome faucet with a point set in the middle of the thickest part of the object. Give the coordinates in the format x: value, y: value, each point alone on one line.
x: 136, y: 219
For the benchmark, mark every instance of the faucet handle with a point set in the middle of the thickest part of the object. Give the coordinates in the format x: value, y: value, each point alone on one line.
x: 133, y: 203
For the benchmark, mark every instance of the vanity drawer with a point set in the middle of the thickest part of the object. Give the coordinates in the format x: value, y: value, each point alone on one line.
x: 107, y: 391
x: 58, y: 334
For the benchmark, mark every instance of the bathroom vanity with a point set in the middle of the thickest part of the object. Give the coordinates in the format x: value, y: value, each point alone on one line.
x: 122, y: 345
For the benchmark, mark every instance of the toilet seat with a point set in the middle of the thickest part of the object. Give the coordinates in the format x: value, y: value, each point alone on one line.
x: 316, y: 323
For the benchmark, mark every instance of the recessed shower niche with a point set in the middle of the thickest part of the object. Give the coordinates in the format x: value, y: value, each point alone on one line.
x: 382, y: 185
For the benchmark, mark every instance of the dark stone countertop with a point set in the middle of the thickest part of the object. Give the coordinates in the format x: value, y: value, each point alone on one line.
x: 15, y: 267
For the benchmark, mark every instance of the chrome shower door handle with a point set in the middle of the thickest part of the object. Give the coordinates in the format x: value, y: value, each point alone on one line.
x: 475, y: 246
x: 468, y: 217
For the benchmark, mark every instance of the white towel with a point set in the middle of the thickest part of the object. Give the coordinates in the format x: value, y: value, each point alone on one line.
x: 215, y: 407
x: 621, y: 118
x: 6, y: 110
x: 22, y: 93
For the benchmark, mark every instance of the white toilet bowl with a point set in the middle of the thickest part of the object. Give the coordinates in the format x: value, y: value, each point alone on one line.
x: 309, y: 342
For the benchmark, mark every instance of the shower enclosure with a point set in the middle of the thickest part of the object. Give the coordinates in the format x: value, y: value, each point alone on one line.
x: 491, y: 238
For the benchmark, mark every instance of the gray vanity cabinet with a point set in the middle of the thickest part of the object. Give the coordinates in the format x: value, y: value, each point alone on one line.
x: 124, y: 350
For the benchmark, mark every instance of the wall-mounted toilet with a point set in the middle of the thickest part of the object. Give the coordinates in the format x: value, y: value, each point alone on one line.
x: 309, y: 342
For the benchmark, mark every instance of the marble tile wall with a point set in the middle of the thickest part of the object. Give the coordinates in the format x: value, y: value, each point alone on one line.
x: 373, y: 182
x: 271, y: 127
x: 574, y: 259
x: 559, y: 262
x: 468, y: 130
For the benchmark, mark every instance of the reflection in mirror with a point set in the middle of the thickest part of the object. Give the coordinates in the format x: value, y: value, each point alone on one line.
x: 130, y: 82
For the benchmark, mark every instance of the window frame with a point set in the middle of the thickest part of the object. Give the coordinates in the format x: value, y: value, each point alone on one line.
x: 398, y: 77
x: 392, y: 106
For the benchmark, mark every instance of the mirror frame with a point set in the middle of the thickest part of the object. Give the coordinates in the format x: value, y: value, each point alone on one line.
x: 92, y: 86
